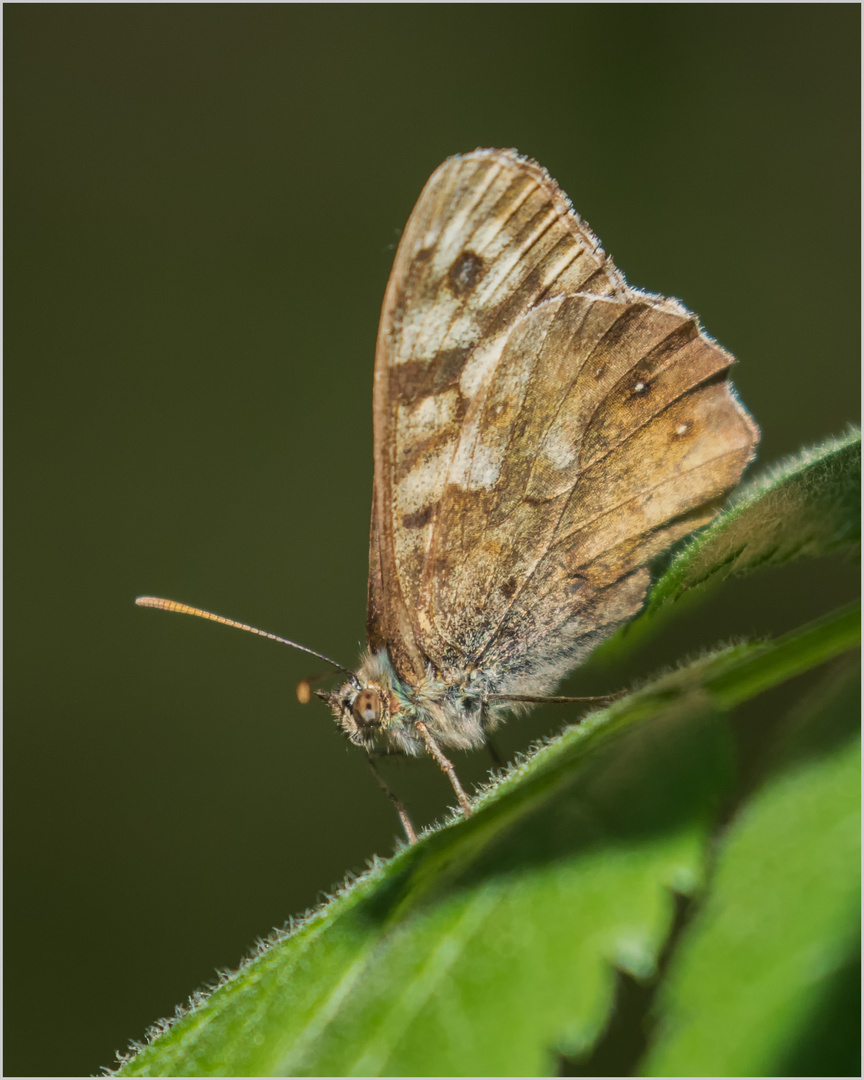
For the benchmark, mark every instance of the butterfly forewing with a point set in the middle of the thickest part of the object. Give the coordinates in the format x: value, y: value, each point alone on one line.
x: 541, y: 432
x: 490, y: 235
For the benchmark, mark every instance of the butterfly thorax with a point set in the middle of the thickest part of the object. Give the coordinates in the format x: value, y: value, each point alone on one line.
x: 380, y: 710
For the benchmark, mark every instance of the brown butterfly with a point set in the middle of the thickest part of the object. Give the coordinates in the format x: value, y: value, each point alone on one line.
x: 542, y: 432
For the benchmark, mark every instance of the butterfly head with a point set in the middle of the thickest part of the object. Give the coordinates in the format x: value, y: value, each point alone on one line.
x: 361, y: 709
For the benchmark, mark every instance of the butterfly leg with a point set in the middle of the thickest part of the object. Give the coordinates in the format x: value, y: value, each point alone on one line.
x: 536, y: 699
x: 446, y: 766
x: 494, y: 753
x: 397, y: 802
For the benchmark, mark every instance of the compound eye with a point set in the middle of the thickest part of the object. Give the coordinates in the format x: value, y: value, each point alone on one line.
x: 367, y: 707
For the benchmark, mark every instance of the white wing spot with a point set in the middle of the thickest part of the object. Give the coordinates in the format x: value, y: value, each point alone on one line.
x: 480, y: 366
x: 559, y: 449
x: 423, y: 484
x: 486, y: 467
x: 430, y: 414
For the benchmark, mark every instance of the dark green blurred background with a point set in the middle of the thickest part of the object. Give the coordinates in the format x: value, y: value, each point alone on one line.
x: 202, y: 203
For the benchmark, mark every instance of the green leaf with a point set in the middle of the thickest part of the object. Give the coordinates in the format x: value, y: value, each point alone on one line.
x: 492, y: 943
x: 781, y: 920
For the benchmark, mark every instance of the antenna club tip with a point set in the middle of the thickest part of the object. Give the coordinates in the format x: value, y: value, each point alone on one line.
x: 147, y: 601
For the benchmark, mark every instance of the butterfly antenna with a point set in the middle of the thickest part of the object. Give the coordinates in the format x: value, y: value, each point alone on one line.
x: 185, y: 609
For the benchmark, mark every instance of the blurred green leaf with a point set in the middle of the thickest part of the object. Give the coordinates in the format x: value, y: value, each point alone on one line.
x: 492, y: 943
x: 782, y: 915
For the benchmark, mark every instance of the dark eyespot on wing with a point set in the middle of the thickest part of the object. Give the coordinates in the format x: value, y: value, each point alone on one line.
x: 508, y: 588
x: 465, y: 272
x: 415, y: 380
x: 420, y: 519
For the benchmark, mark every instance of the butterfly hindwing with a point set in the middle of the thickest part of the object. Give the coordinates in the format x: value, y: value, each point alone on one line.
x: 651, y: 457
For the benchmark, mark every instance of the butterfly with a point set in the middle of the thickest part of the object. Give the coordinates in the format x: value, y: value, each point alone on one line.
x: 542, y: 431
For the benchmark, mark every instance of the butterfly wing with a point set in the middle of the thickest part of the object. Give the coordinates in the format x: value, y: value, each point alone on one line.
x: 620, y: 435
x: 541, y: 431
x: 490, y: 235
